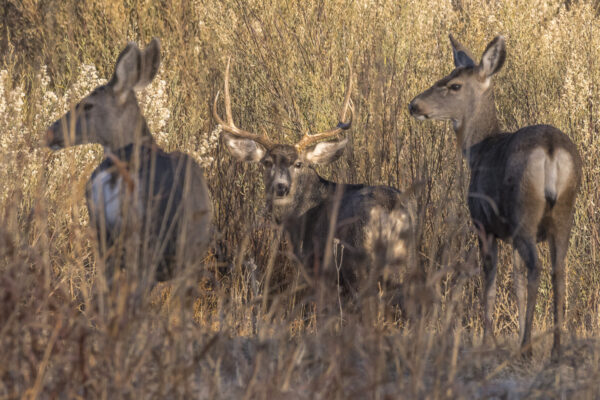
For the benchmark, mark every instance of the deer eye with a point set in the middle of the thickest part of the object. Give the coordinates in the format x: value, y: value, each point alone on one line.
x: 87, y: 106
x: 298, y: 164
x: 455, y: 87
x: 267, y: 163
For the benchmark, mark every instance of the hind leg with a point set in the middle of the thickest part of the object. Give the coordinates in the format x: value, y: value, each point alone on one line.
x: 558, y: 250
x: 558, y: 240
x: 526, y: 248
x: 520, y: 287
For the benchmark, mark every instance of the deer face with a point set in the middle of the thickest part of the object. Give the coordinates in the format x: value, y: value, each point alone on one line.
x: 456, y: 97
x: 448, y: 98
x: 289, y: 175
x: 282, y: 168
x: 110, y: 114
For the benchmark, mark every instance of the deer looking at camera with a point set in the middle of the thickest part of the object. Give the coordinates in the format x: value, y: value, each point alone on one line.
x: 155, y: 202
x: 363, y: 222
x: 523, y: 184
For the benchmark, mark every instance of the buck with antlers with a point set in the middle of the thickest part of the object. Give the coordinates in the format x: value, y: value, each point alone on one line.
x: 155, y: 202
x: 523, y: 184
x: 363, y: 221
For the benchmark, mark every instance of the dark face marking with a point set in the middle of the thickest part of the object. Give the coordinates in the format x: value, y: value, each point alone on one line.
x: 282, y: 167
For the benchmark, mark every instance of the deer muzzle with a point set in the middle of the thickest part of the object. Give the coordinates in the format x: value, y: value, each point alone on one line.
x: 53, y: 137
x: 281, y: 190
x: 416, y: 110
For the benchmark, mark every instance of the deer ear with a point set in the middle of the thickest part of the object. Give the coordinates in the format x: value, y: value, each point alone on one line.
x: 325, y: 152
x: 127, y: 71
x: 493, y: 58
x: 150, y: 62
x: 243, y: 149
x: 462, y: 57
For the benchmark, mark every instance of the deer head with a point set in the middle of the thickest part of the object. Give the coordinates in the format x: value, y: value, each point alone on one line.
x: 290, y: 179
x: 465, y: 96
x: 110, y: 114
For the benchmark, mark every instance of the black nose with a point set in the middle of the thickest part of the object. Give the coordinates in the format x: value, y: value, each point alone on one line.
x: 413, y: 108
x: 281, y: 189
x: 53, y: 137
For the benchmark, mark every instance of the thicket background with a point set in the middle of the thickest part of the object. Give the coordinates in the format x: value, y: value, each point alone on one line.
x: 288, y: 75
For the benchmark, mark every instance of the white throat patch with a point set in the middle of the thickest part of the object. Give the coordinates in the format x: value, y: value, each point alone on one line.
x: 282, y: 201
x: 106, y: 199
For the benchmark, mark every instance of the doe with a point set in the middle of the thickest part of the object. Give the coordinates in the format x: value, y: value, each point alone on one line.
x: 139, y: 192
x: 523, y: 184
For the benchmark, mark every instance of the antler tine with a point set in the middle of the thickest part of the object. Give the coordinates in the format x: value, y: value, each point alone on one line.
x: 342, y: 116
x: 309, y: 139
x: 229, y: 126
x: 227, y: 96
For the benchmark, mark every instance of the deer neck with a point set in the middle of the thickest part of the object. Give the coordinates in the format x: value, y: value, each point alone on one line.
x: 311, y: 192
x: 145, y: 136
x: 304, y: 218
x: 322, y: 190
x: 477, y: 125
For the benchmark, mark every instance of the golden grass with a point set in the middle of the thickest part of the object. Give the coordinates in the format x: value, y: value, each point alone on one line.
x: 62, y: 335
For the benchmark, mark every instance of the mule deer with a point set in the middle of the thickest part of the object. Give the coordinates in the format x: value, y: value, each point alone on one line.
x: 523, y: 184
x: 364, y: 220
x: 138, y: 189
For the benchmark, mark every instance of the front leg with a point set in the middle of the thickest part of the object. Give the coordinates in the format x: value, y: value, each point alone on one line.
x: 488, y: 245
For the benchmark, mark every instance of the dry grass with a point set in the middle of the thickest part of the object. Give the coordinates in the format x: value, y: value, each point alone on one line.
x: 252, y: 332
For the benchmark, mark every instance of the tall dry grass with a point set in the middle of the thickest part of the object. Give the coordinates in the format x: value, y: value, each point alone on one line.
x: 252, y: 331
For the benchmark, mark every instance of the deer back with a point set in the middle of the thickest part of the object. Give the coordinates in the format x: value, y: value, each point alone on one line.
x: 160, y: 198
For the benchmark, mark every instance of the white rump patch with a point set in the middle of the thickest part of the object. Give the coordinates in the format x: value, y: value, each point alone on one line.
x: 534, y: 176
x: 549, y: 175
x: 564, y: 168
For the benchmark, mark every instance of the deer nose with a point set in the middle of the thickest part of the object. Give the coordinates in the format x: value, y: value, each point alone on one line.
x: 281, y: 189
x: 413, y: 108
x: 49, y: 136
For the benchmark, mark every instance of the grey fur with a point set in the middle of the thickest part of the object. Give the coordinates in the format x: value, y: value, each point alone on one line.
x: 162, y: 202
x: 307, y: 209
x: 523, y: 184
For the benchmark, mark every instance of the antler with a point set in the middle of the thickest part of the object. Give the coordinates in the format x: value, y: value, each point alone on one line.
x: 309, y: 139
x: 229, y: 126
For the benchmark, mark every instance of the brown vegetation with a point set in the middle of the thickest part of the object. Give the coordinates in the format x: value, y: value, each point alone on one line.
x: 251, y: 330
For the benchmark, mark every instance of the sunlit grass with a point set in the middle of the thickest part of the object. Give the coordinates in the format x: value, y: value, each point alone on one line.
x: 61, y: 336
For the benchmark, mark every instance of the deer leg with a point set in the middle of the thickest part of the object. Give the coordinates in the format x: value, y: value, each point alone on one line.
x: 528, y: 252
x: 489, y: 252
x: 559, y: 243
x: 519, y: 280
